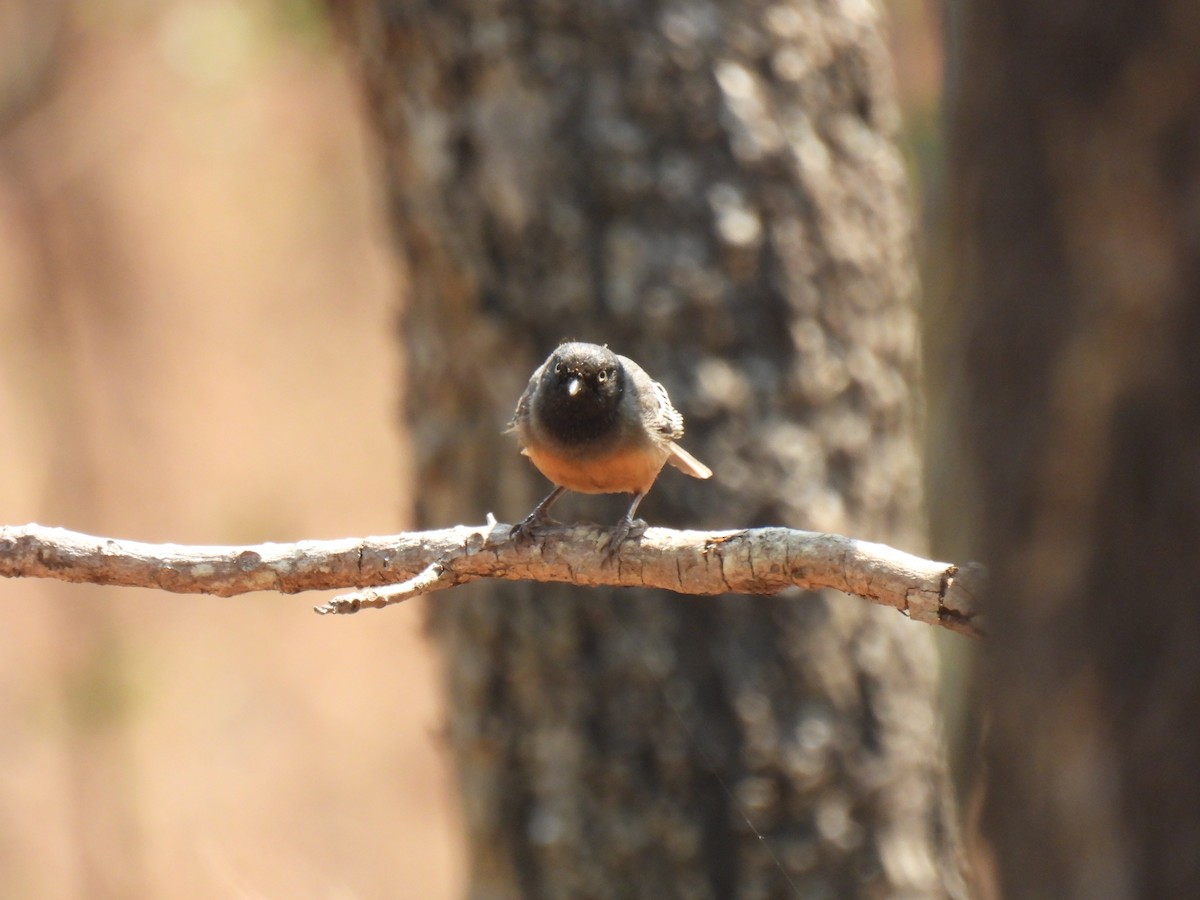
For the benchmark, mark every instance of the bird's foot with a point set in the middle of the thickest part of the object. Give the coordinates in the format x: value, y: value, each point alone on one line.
x: 622, y: 531
x: 523, y: 532
x: 526, y: 530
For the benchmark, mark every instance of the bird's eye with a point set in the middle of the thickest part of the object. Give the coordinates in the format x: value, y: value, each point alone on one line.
x: 602, y: 377
x: 558, y: 368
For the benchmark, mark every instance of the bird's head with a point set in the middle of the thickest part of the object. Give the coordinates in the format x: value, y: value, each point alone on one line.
x: 585, y: 374
x: 578, y: 399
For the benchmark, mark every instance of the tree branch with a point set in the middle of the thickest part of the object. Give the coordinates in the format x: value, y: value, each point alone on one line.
x: 750, y: 561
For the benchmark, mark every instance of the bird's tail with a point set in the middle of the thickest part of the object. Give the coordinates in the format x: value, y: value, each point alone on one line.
x: 685, y: 462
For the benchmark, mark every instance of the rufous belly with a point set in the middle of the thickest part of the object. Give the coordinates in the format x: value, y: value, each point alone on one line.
x: 623, y: 472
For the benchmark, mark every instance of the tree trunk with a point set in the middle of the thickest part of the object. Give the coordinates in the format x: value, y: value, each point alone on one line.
x: 1076, y: 196
x: 714, y: 190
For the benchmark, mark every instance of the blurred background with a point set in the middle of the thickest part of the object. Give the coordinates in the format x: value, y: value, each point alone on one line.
x: 198, y: 305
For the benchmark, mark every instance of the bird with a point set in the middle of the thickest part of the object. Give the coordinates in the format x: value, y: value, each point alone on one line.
x: 594, y: 422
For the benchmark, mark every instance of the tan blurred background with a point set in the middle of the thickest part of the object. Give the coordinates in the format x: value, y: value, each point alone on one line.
x: 198, y: 307
x: 198, y: 303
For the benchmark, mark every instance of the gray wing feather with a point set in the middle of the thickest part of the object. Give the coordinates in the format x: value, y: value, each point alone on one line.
x: 659, y: 417
x: 668, y: 421
x: 665, y: 422
x: 521, y: 414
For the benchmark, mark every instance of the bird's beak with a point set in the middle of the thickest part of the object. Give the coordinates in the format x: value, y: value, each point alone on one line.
x: 574, y: 386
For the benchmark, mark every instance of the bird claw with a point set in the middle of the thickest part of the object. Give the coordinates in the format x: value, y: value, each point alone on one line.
x: 525, y: 531
x: 622, y: 531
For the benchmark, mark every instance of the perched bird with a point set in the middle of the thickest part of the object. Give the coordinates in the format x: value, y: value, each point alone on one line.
x: 595, y: 423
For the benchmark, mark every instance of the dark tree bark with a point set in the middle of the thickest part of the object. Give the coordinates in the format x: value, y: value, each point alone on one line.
x: 714, y: 190
x: 1076, y: 191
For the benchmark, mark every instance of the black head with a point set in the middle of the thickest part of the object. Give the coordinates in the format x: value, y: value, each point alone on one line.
x: 579, y: 395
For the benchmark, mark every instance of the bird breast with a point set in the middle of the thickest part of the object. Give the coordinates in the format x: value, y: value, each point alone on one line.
x: 625, y: 471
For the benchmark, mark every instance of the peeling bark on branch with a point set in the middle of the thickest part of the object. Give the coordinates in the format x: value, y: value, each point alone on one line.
x: 699, y: 563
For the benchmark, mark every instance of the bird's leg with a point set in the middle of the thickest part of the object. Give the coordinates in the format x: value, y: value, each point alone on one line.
x: 523, y: 531
x: 622, y: 528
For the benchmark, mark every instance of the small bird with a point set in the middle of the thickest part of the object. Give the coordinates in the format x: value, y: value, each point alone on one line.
x: 595, y: 423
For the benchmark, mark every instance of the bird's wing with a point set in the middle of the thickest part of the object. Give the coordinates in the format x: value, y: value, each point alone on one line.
x: 521, y: 414
x: 670, y: 427
x: 660, y: 418
x: 665, y: 419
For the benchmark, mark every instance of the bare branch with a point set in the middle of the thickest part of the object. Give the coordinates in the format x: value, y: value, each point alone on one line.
x: 751, y: 561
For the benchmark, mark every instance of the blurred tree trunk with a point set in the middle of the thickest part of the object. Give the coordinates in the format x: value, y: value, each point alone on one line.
x: 714, y: 189
x: 1076, y: 196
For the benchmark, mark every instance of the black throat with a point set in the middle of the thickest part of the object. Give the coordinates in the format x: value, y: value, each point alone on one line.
x: 591, y: 416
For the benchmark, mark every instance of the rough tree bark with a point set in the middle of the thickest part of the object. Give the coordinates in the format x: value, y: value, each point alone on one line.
x: 1076, y: 199
x: 712, y: 188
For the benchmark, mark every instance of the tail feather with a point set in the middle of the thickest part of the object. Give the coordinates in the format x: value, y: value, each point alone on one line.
x: 685, y: 462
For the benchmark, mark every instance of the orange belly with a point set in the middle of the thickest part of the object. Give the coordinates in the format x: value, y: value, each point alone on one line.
x: 624, y: 472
